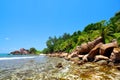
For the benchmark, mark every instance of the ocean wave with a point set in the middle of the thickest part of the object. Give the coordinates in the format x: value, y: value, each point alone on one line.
x: 11, y: 58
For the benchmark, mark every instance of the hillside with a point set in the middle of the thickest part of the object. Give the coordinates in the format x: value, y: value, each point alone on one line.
x: 108, y: 30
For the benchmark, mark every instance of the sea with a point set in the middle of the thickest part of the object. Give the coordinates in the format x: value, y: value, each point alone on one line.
x: 7, y: 56
x: 42, y: 67
x: 12, y: 65
x: 29, y: 67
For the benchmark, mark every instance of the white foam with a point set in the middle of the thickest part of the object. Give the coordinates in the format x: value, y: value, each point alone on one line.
x: 11, y: 58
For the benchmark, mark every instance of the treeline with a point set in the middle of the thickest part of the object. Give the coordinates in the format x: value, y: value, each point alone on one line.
x: 34, y: 51
x: 23, y: 51
x: 109, y: 30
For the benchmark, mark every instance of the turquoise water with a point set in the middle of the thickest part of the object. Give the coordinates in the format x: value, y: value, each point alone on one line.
x: 3, y: 55
x: 7, y: 56
x: 10, y: 55
x: 41, y: 67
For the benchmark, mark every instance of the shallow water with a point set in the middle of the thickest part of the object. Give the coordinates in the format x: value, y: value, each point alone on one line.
x: 43, y: 68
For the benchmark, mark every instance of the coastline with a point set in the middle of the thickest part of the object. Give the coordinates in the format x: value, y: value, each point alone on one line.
x: 46, y: 68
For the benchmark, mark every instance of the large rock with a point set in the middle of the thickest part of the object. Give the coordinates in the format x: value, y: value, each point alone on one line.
x: 102, y: 49
x: 20, y: 52
x: 86, y: 47
x: 83, y: 49
x: 102, y: 62
x: 63, y: 55
x: 107, y: 49
x: 94, y: 52
x: 25, y: 52
x: 93, y: 43
x: 80, y: 56
x: 74, y: 54
x: 100, y: 57
x: 115, y: 55
x: 85, y: 58
x: 15, y: 52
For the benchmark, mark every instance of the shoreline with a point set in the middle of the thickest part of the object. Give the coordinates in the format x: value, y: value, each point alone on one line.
x: 77, y: 59
x: 52, y: 68
x: 14, y: 58
x: 94, y: 51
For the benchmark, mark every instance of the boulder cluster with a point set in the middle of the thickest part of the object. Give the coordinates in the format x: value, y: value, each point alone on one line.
x: 93, y: 51
x: 22, y: 51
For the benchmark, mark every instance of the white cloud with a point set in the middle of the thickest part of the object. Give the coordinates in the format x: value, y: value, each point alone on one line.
x: 7, y: 38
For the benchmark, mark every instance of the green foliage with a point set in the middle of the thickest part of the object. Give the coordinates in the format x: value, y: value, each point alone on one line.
x: 117, y: 36
x: 45, y: 51
x: 38, y: 52
x: 66, y: 43
x: 33, y: 50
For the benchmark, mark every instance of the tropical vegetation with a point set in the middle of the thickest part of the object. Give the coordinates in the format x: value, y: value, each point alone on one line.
x: 33, y: 50
x: 108, y: 30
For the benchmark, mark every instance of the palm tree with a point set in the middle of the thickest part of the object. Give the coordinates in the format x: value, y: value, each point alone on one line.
x: 105, y: 31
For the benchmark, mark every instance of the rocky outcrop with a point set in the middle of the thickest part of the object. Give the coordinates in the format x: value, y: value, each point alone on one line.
x: 102, y: 62
x: 63, y: 55
x: 72, y: 55
x: 115, y: 55
x: 102, y: 49
x: 107, y: 49
x: 100, y: 57
x: 85, y: 59
x: 83, y: 49
x: 86, y: 47
x: 20, y: 52
x: 94, y: 51
x: 15, y: 52
x: 59, y: 54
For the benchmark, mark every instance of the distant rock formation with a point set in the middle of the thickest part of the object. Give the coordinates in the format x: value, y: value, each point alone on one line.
x: 15, y: 52
x: 22, y: 51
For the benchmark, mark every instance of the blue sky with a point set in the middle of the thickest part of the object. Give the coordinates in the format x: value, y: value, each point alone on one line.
x: 29, y: 23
